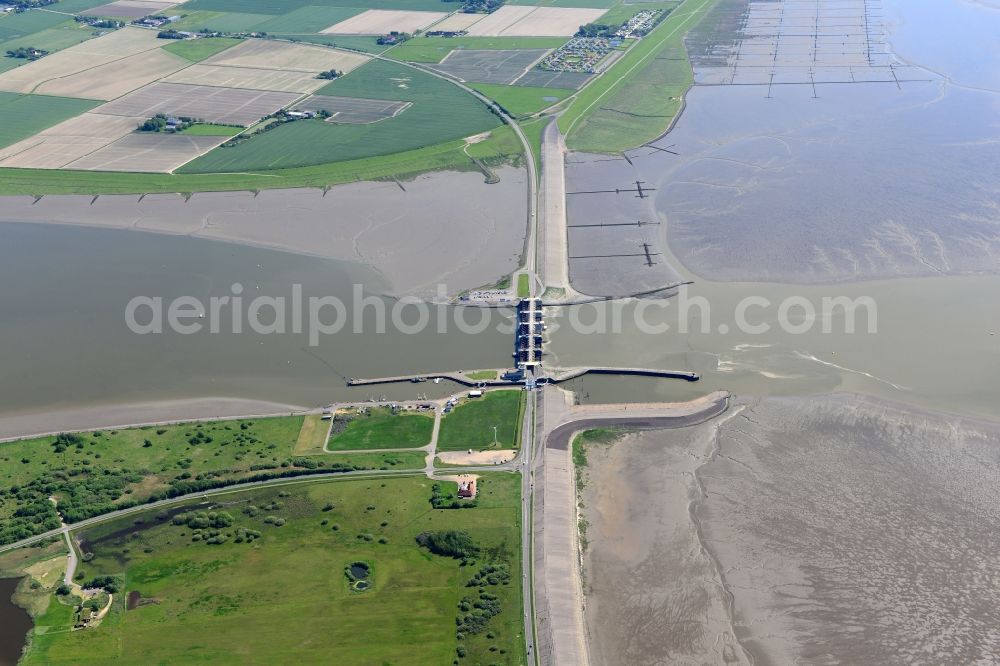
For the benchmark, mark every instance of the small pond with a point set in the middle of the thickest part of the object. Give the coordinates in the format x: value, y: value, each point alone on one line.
x: 15, y: 623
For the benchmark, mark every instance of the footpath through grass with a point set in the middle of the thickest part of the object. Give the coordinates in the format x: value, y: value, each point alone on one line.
x: 637, y: 98
x: 380, y: 428
x: 470, y: 425
x: 97, y: 472
x: 262, y: 577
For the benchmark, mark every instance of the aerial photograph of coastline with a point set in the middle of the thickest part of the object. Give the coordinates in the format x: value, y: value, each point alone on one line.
x: 500, y: 332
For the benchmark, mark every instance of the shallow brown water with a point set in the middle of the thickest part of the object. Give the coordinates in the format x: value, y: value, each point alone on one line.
x: 15, y: 624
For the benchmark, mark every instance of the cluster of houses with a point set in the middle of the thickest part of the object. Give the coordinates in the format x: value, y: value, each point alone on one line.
x: 638, y: 25
x: 155, y: 21
x: 580, y: 54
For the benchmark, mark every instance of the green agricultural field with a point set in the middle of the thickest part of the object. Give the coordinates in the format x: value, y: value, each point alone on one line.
x: 93, y: 473
x: 197, y: 50
x: 449, y: 155
x: 470, y: 425
x: 440, y: 111
x: 308, y: 20
x: 636, y: 99
x: 26, y: 115
x: 30, y: 21
x: 10, y: 63
x: 54, y: 39
x: 433, y: 49
x: 219, y: 21
x: 379, y: 428
x: 79, y: 7
x: 271, y: 586
x: 522, y: 100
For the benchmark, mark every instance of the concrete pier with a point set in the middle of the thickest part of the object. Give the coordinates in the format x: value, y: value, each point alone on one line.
x: 456, y: 377
x: 557, y: 378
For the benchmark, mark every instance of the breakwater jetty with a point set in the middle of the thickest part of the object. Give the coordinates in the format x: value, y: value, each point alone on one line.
x: 529, y: 340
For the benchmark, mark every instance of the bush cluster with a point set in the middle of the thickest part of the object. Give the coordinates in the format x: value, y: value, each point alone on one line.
x: 449, y: 543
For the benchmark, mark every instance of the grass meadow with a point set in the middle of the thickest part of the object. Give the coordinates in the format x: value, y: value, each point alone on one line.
x: 283, y: 597
x: 522, y: 100
x: 470, y: 425
x: 379, y: 428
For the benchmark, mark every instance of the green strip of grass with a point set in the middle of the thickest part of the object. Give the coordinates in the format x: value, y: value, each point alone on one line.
x: 598, y: 119
x: 208, y: 129
x: 470, y: 425
x: 390, y: 460
x: 381, y: 429
x: 482, y: 374
x: 533, y: 132
x: 197, y: 50
x: 523, y: 286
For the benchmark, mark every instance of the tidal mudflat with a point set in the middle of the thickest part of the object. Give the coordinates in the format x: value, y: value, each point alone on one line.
x: 446, y: 228
x: 889, y: 176
x: 836, y: 529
